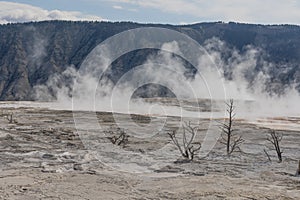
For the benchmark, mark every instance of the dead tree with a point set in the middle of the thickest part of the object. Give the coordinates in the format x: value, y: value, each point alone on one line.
x: 9, y: 118
x: 231, y: 140
x: 275, y: 139
x: 298, y: 170
x: 267, y: 154
x: 118, y: 137
x: 187, y: 148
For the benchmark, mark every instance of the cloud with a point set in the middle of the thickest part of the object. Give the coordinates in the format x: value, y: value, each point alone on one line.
x: 17, y: 12
x: 254, y: 11
x: 118, y: 7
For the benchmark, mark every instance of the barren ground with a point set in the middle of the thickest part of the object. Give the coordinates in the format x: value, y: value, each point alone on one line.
x: 43, y: 157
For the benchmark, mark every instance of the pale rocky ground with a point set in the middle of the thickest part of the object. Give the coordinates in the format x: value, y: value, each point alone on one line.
x: 42, y: 157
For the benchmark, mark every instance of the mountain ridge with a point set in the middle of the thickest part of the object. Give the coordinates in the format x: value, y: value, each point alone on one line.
x: 32, y: 52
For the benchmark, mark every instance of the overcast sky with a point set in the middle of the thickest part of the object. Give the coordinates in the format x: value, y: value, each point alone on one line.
x: 154, y: 11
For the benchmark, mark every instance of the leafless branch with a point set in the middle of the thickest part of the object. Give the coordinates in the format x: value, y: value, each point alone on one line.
x: 267, y: 154
x: 119, y: 136
x: 9, y: 117
x: 275, y: 139
x: 236, y: 142
x: 187, y: 149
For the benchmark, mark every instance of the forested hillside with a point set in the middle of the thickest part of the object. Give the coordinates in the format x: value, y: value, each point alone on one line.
x: 30, y: 53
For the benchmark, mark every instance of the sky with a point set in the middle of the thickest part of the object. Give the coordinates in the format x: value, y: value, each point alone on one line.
x: 153, y: 11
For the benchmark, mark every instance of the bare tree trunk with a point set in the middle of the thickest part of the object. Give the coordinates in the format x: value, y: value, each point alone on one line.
x: 298, y: 170
x: 267, y: 154
x: 275, y: 139
x: 231, y: 140
x: 228, y: 144
x: 9, y: 118
x: 230, y: 112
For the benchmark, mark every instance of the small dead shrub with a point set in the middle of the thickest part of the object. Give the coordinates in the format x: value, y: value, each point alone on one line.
x: 188, y: 147
x: 117, y: 136
x: 275, y: 138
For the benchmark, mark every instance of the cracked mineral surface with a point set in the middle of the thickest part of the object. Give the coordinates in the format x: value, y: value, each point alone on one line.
x: 44, y: 156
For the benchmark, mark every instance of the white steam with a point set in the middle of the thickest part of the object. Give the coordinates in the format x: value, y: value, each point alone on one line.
x: 170, y: 71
